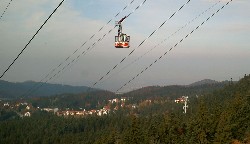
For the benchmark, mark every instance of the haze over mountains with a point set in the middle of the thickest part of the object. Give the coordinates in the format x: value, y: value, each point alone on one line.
x: 14, y: 90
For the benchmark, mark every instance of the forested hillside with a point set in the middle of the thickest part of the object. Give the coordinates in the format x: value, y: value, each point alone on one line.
x: 16, y: 90
x: 222, y: 116
x: 89, y: 100
x: 92, y: 100
x: 175, y: 91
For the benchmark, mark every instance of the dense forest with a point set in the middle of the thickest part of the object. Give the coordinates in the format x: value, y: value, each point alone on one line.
x: 99, y: 98
x: 221, y: 116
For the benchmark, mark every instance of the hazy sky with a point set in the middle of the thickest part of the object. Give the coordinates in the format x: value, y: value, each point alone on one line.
x: 219, y: 50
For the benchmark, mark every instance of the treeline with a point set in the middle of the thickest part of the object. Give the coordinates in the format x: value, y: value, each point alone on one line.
x: 219, y: 117
x: 87, y: 101
x: 97, y: 99
x: 174, y: 91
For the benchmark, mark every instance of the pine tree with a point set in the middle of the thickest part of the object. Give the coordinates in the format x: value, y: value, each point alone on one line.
x: 200, y: 128
x: 134, y: 134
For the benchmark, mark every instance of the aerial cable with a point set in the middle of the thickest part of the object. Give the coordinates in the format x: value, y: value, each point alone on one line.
x: 140, y: 43
x: 93, y: 45
x: 5, y: 9
x: 31, y: 39
x: 83, y: 53
x: 66, y: 59
x: 134, y: 61
x: 172, y: 47
x: 100, y: 39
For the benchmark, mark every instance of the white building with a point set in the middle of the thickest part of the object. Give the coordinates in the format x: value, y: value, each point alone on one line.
x: 123, y: 99
x: 48, y: 109
x: 28, y: 107
x: 114, y: 100
x: 27, y: 114
x: 6, y: 104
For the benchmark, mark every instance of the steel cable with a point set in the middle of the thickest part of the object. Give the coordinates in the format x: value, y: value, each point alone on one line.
x: 93, y: 45
x: 91, y: 37
x: 83, y: 53
x: 140, y: 44
x: 5, y: 9
x: 172, y: 47
x: 31, y: 39
x: 134, y: 61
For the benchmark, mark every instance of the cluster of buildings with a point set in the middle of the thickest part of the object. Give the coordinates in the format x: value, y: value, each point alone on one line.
x: 24, y: 109
x: 27, y: 109
x: 104, y: 111
x: 99, y: 112
x: 25, y: 112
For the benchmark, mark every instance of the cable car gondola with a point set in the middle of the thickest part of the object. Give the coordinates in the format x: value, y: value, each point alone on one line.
x: 122, y: 39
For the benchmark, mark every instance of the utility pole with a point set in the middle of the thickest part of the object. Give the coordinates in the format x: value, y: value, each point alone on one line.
x: 185, y: 98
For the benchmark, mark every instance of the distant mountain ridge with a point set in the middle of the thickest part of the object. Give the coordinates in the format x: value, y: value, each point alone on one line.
x: 16, y: 90
x: 13, y: 90
x: 175, y: 91
x: 202, y: 82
